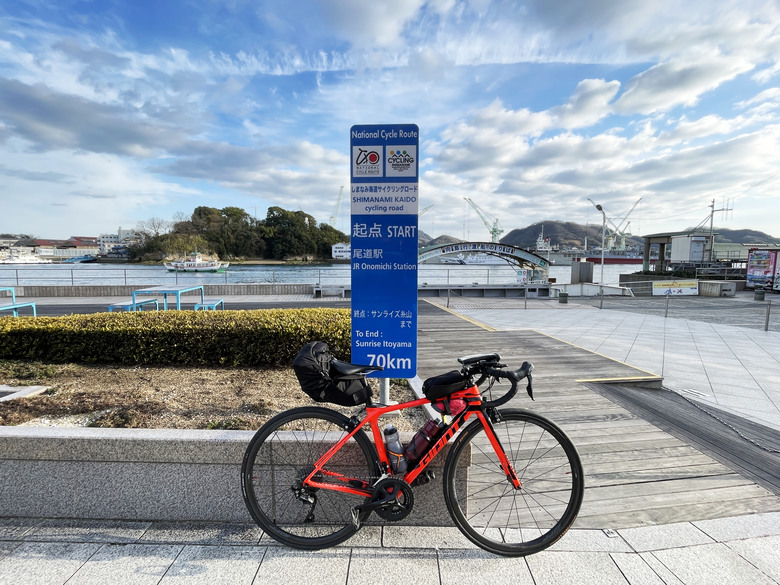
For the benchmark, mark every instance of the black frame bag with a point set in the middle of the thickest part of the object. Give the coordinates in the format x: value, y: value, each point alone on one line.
x: 313, y: 367
x: 443, y: 385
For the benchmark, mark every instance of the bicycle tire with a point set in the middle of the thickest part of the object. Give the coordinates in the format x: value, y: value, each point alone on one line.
x: 483, y: 503
x: 282, y: 453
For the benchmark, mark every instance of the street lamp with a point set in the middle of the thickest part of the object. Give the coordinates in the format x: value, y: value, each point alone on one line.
x: 603, y: 232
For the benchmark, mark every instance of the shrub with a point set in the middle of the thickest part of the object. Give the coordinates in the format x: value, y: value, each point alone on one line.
x: 266, y: 337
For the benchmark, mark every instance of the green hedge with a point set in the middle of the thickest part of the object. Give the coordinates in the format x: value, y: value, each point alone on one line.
x: 225, y: 338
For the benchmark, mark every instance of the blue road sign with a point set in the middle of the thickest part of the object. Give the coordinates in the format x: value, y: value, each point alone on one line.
x: 384, y: 205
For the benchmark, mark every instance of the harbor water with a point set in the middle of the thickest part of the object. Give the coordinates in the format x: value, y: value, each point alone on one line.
x: 333, y: 275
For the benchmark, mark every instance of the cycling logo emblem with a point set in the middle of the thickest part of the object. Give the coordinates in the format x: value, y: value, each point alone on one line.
x: 367, y: 161
x: 401, y: 161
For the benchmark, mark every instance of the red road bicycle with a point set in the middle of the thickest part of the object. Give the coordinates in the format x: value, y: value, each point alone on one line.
x: 513, y: 481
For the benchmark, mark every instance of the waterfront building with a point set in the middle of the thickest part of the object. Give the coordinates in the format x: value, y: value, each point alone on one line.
x: 107, y: 242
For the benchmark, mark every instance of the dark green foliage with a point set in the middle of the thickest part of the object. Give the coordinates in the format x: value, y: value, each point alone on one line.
x: 232, y: 233
x: 259, y: 338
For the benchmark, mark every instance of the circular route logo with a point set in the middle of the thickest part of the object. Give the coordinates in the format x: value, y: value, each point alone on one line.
x: 367, y: 157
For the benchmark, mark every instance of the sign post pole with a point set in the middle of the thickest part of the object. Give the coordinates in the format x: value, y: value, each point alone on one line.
x: 384, y: 207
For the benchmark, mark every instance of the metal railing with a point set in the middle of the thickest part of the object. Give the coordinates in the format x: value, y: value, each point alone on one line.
x: 741, y: 311
x: 106, y: 275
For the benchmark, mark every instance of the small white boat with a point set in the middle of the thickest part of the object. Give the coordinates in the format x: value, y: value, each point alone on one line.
x: 15, y: 257
x: 196, y: 263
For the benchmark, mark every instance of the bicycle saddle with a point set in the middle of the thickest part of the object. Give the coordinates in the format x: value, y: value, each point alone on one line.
x: 347, y: 369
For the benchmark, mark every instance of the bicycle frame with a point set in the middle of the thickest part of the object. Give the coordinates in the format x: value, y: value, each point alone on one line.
x: 360, y: 487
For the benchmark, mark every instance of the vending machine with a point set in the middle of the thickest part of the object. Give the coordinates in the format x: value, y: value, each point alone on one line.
x: 761, y: 269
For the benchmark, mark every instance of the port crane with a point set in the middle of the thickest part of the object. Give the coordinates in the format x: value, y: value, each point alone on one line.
x: 621, y: 230
x: 616, y: 237
x: 335, y: 214
x: 495, y: 230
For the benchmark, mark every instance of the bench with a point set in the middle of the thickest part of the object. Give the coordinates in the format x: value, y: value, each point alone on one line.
x: 331, y: 291
x: 137, y: 306
x: 212, y: 304
x: 16, y: 306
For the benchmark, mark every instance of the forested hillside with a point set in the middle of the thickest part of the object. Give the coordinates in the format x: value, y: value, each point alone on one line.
x: 573, y: 235
x: 232, y: 233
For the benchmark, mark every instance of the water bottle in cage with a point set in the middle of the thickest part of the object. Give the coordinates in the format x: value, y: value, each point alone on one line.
x: 395, y: 450
x: 422, y: 440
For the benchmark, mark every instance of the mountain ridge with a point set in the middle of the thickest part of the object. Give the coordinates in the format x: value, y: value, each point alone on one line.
x: 565, y: 234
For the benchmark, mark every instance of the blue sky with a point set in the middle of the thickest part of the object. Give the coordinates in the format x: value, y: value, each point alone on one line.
x: 115, y: 112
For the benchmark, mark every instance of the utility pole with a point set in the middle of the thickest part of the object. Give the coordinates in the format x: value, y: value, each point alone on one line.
x: 603, y: 234
x: 712, y: 234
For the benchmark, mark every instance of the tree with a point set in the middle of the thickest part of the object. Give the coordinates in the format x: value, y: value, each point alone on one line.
x: 328, y: 236
x: 231, y: 232
x: 292, y: 233
x: 155, y: 226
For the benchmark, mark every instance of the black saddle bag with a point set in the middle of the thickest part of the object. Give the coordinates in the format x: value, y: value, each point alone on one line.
x: 313, y: 368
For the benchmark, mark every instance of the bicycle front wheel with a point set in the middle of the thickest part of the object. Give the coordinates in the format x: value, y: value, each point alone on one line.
x: 485, y: 505
x: 282, y: 454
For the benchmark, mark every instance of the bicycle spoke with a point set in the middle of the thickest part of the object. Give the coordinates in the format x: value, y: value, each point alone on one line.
x: 482, y: 500
x: 282, y: 455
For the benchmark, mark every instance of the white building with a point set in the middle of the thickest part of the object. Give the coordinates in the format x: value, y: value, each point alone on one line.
x: 341, y: 251
x: 107, y: 241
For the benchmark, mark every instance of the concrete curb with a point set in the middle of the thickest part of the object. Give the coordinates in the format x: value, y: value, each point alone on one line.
x: 142, y: 474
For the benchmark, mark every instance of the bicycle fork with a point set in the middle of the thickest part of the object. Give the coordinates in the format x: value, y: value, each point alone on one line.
x: 506, y: 466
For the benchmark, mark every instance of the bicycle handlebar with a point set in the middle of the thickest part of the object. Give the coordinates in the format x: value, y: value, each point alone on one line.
x: 493, y: 369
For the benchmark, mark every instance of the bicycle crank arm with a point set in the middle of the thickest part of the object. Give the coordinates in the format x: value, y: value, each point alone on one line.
x: 388, y: 500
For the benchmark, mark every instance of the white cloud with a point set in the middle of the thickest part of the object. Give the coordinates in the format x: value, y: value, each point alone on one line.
x: 253, y: 104
x: 370, y: 24
x: 678, y: 82
x: 588, y: 105
x: 79, y: 193
x: 768, y: 95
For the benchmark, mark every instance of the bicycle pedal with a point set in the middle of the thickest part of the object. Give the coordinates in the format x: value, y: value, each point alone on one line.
x: 424, y: 478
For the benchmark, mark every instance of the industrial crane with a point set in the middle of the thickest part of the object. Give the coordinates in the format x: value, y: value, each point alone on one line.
x: 615, y: 239
x: 495, y: 230
x: 621, y: 231
x: 335, y: 214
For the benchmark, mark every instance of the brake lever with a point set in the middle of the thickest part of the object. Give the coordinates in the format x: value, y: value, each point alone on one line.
x: 529, y: 388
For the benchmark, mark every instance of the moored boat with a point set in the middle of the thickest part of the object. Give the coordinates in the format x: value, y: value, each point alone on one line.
x: 79, y: 259
x: 15, y: 257
x: 615, y: 259
x: 196, y: 263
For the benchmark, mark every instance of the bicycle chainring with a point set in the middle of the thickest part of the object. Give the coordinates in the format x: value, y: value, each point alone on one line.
x: 398, y: 497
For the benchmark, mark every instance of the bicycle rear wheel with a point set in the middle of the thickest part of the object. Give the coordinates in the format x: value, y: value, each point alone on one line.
x: 485, y: 505
x: 282, y: 454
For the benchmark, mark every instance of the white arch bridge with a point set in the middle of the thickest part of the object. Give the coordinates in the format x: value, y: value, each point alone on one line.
x: 514, y: 256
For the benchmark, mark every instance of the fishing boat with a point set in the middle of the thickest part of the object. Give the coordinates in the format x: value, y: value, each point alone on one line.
x: 196, y: 263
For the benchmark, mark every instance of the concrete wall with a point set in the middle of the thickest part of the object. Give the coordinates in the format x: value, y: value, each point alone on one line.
x: 717, y: 288
x: 642, y: 284
x: 144, y: 474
